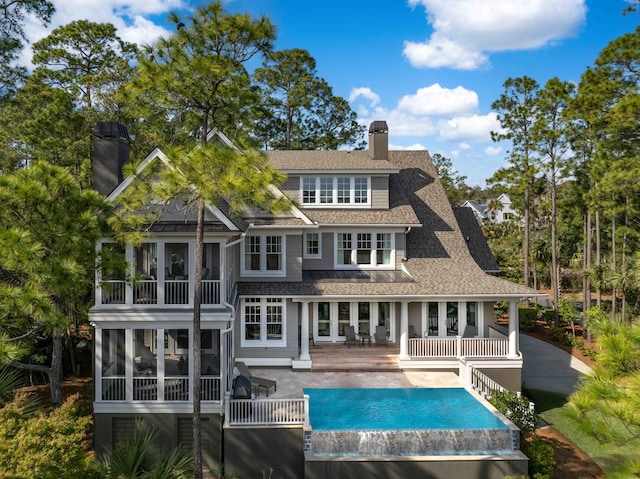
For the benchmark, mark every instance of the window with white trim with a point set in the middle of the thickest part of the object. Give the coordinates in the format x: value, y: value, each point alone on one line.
x: 312, y: 245
x: 263, y: 321
x: 263, y: 254
x: 366, y: 249
x: 338, y: 190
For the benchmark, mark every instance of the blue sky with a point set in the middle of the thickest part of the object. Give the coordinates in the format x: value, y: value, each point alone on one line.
x: 430, y: 68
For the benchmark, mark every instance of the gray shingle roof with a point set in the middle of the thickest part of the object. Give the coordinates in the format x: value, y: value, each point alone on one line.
x: 438, y: 258
x: 476, y: 242
x: 300, y: 160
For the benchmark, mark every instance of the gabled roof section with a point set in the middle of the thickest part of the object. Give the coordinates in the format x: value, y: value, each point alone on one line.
x: 221, y: 212
x: 158, y: 155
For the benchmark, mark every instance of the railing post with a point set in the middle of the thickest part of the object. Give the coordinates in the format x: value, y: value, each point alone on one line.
x: 307, y: 420
x: 227, y: 408
x: 459, y: 347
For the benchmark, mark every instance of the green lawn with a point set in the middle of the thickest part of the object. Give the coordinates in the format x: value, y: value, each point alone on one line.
x: 610, y: 457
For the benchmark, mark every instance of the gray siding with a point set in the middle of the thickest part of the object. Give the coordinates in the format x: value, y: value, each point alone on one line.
x: 291, y: 188
x: 293, y: 258
x: 324, y: 263
x: 380, y: 192
x: 288, y: 351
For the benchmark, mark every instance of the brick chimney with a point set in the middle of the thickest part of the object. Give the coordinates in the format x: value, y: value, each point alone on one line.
x: 110, y: 153
x: 379, y: 140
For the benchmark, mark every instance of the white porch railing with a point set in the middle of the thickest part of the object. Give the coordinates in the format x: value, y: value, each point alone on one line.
x: 113, y: 389
x: 145, y: 388
x: 210, y: 388
x: 259, y: 412
x: 175, y: 291
x: 483, y: 384
x: 458, y: 347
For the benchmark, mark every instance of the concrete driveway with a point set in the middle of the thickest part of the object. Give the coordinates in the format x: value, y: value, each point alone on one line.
x: 549, y: 368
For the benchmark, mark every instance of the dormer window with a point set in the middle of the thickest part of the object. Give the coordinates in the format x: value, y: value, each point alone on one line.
x: 336, y: 191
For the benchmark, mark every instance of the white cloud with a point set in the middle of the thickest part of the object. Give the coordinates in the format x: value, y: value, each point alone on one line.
x: 464, y: 146
x: 401, y: 123
x: 364, y: 92
x: 128, y: 16
x: 465, y: 31
x: 492, y: 150
x: 414, y: 147
x: 435, y: 100
x: 472, y: 128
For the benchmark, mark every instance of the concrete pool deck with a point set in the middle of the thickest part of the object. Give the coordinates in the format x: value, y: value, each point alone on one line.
x: 291, y: 383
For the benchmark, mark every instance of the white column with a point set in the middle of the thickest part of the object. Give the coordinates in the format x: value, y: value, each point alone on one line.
x: 404, y: 330
x: 481, y: 333
x: 129, y: 258
x: 513, y: 329
x: 160, y: 362
x: 304, y: 332
x: 462, y: 317
x: 128, y: 364
x: 97, y: 362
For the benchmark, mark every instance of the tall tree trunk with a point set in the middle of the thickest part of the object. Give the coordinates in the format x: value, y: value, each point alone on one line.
x: 614, y: 292
x: 56, y: 369
x: 598, y: 259
x: 586, y: 305
x: 197, y: 358
x: 554, y: 249
x: 527, y: 221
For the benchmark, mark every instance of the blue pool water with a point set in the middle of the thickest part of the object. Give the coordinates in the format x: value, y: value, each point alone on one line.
x: 397, y: 409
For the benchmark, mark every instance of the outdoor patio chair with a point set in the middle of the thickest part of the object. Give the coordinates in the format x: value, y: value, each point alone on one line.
x: 380, y: 335
x: 256, y: 381
x: 412, y: 331
x: 350, y: 336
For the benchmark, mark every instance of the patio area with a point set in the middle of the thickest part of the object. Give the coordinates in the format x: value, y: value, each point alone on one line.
x: 291, y: 383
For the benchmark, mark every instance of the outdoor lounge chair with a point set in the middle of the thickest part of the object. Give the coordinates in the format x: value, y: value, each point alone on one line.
x: 256, y: 381
x: 380, y: 335
x: 350, y: 336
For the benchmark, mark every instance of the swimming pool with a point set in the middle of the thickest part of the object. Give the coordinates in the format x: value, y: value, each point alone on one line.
x: 404, y: 422
x: 384, y: 409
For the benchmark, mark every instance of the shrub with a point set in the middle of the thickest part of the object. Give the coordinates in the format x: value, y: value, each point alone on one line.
x: 516, y: 407
x: 549, y: 316
x: 528, y: 317
x: 556, y: 334
x: 542, y: 463
x: 44, y: 446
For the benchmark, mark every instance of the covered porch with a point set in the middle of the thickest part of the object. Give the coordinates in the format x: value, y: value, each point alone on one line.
x: 425, y: 334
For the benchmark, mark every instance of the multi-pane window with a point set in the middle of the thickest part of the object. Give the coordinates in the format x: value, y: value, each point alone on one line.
x: 343, y: 253
x: 363, y: 254
x: 252, y: 319
x: 308, y: 190
x: 472, y: 314
x: 326, y: 190
x: 361, y: 190
x: 364, y: 249
x: 312, y: 245
x: 263, y: 320
x: 252, y: 253
x: 341, y: 190
x: 263, y: 254
x: 344, y: 190
x: 383, y: 248
x: 274, y: 253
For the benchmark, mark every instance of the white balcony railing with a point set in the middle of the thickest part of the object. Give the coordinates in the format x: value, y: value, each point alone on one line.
x: 113, y: 389
x: 176, y: 388
x: 145, y: 292
x: 145, y: 388
x: 252, y: 412
x: 458, y: 347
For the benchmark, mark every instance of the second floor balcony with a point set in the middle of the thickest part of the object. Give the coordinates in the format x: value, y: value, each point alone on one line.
x: 158, y: 274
